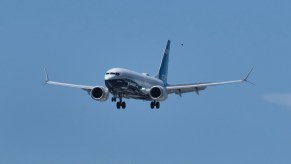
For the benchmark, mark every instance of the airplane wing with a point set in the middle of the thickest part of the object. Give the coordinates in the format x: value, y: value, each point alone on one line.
x: 84, y: 87
x: 184, y: 88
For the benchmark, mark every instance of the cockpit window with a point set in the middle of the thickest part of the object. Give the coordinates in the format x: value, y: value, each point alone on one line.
x: 112, y: 73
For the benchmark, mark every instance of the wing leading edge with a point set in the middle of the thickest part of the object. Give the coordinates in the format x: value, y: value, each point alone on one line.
x: 184, y: 88
x: 84, y: 87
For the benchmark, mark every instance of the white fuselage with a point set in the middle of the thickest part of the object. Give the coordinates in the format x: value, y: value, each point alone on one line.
x: 130, y: 84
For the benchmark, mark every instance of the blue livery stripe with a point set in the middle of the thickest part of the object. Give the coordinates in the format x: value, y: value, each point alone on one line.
x: 163, y: 71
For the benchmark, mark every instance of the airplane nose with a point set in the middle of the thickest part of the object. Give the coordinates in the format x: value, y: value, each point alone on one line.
x: 108, y: 77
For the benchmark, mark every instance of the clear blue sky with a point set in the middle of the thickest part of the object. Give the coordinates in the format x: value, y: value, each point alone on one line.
x: 77, y: 41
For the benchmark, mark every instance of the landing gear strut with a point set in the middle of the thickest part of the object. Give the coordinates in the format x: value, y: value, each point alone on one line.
x: 120, y: 104
x: 155, y: 104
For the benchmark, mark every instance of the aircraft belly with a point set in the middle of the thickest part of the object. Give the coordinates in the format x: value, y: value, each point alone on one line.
x: 126, y: 88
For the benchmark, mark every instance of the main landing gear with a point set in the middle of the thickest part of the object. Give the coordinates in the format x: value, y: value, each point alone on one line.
x: 120, y: 103
x: 155, y: 104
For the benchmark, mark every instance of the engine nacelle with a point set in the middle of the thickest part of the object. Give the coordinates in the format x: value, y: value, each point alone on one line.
x: 158, y: 93
x: 99, y: 93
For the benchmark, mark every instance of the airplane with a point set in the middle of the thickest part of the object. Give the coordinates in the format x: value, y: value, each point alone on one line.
x: 122, y: 84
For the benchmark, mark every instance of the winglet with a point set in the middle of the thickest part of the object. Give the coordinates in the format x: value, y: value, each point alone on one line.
x: 46, y: 77
x: 246, y: 78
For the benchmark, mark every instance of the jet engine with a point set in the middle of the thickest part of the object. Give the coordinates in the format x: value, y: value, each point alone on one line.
x: 99, y: 93
x: 158, y: 93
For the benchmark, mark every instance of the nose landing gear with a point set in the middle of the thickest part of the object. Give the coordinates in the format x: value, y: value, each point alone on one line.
x: 113, y: 99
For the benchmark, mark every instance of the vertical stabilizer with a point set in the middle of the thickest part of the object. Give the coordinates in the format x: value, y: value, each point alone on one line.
x: 163, y: 71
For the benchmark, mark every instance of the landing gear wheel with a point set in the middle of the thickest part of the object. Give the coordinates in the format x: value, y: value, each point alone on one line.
x: 123, y: 104
x: 118, y: 105
x: 152, y: 105
x: 157, y: 105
